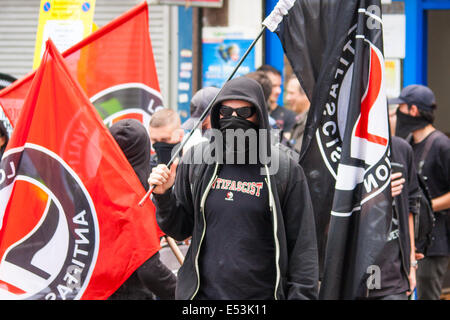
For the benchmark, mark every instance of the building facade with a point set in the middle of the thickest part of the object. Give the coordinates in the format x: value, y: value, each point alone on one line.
x: 415, y: 31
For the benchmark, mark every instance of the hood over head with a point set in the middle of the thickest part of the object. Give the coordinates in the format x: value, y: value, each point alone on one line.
x: 134, y: 141
x: 246, y: 89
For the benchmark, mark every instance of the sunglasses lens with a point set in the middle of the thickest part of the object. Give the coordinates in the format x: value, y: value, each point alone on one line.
x: 225, y: 111
x: 245, y: 112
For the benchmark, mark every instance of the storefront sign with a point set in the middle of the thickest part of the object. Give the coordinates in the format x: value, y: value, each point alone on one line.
x: 222, y: 48
x: 66, y: 22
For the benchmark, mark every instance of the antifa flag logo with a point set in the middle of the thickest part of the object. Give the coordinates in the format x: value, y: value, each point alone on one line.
x: 368, y: 168
x: 125, y: 101
x: 368, y: 135
x: 48, y: 228
x: 329, y: 134
x: 369, y: 163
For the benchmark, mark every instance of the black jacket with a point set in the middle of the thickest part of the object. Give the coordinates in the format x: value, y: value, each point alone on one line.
x: 180, y: 211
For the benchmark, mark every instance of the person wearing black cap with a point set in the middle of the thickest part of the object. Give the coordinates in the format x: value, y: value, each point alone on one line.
x: 3, y: 138
x: 253, y: 231
x: 415, y: 117
x: 153, y: 277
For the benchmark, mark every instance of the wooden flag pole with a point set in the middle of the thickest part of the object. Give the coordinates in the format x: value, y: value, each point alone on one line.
x: 175, y: 249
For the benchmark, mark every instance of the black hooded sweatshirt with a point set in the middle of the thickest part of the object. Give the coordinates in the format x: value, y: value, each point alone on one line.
x: 134, y: 141
x: 181, y: 211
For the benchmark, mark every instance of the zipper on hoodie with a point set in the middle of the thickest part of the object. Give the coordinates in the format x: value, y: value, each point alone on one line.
x: 273, y: 210
x: 202, y: 210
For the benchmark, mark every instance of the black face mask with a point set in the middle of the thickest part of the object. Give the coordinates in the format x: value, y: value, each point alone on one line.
x: 407, y: 124
x: 235, y: 123
x: 164, y: 151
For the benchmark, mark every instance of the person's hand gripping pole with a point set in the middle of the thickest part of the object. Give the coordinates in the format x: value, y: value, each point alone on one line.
x: 161, y: 179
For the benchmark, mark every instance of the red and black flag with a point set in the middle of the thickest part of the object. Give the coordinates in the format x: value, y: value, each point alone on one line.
x: 115, y: 66
x: 336, y: 51
x: 70, y: 223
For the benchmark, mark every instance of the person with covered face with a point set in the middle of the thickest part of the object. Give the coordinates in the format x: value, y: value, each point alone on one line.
x: 165, y: 134
x: 253, y: 230
x: 153, y: 277
x: 431, y: 147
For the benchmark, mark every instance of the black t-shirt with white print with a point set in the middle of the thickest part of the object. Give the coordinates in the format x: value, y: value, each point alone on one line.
x: 237, y: 255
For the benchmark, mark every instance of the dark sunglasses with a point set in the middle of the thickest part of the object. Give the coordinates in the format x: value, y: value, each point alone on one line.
x: 243, y: 112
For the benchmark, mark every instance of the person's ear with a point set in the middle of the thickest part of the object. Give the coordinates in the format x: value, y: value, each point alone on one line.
x: 414, y: 111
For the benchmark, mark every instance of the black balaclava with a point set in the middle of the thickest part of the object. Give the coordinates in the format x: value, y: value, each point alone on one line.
x: 164, y: 151
x: 407, y: 124
x: 134, y: 141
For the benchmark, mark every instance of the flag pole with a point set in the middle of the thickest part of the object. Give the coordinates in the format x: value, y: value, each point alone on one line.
x: 205, y: 113
x: 175, y: 249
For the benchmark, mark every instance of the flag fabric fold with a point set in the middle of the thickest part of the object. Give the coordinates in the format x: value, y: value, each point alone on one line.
x: 335, y: 49
x: 70, y: 224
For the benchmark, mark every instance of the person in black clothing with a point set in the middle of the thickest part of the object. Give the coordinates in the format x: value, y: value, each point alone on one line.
x: 3, y: 139
x: 253, y: 232
x: 152, y: 277
x: 284, y: 118
x: 415, y: 117
x: 397, y: 261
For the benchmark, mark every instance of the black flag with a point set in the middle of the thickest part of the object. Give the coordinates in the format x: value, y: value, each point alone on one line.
x: 336, y: 50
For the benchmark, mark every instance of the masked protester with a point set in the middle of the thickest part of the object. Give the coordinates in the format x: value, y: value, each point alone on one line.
x: 165, y: 134
x: 199, y: 103
x: 253, y: 230
x: 415, y: 116
x: 153, y: 277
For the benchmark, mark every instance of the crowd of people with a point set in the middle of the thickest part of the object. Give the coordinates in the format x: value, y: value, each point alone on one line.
x: 252, y: 232
x: 260, y: 245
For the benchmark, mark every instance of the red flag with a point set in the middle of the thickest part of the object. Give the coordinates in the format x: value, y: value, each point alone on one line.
x: 115, y: 67
x: 70, y: 223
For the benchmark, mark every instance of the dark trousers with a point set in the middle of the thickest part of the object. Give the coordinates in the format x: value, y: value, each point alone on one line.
x: 430, y: 276
x: 152, y: 278
x: 155, y: 275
